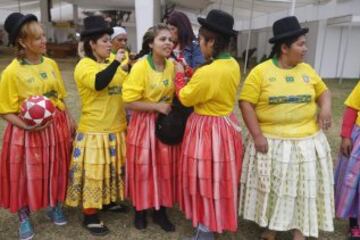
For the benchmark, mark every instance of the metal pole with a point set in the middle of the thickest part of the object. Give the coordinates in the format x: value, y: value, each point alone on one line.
x: 339, y: 52
x: 345, y: 53
x: 249, y: 38
x: 19, y: 6
x: 292, y: 8
x: 323, y: 47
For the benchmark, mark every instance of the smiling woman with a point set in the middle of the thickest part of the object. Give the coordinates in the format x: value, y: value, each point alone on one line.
x: 33, y: 157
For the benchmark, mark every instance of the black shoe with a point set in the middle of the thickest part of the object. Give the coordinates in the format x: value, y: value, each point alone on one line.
x: 93, y: 224
x: 160, y: 217
x: 140, y: 221
x: 114, y: 207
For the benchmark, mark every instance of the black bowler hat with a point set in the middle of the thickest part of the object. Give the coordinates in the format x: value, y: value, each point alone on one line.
x: 95, y: 25
x: 287, y: 27
x: 14, y: 22
x: 219, y: 21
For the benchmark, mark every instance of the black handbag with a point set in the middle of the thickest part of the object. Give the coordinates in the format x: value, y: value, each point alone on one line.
x: 170, y: 128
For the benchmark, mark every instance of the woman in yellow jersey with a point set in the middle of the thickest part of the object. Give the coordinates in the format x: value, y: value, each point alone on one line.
x: 34, y: 160
x: 212, y: 146
x: 150, y: 166
x: 287, y: 174
x: 96, y: 169
x: 119, y: 40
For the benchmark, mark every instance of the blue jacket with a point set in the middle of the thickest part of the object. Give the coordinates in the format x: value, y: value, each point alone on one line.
x: 193, y: 55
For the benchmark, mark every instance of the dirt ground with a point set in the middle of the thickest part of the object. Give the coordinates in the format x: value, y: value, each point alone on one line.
x: 121, y: 225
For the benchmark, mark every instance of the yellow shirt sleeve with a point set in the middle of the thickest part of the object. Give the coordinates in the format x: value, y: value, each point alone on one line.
x: 252, y: 88
x: 8, y: 92
x: 199, y: 88
x: 61, y: 87
x: 353, y: 99
x: 85, y: 73
x: 134, y: 85
x: 319, y: 85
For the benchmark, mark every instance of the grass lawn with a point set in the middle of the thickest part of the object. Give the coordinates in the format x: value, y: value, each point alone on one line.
x: 121, y: 224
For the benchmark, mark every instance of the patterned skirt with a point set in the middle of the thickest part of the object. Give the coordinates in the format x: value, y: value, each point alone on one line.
x: 150, y: 166
x: 96, y: 175
x: 34, y: 165
x: 290, y: 187
x: 210, y: 171
x: 347, y: 178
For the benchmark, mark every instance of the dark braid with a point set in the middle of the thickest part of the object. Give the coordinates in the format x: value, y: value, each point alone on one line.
x: 149, y: 37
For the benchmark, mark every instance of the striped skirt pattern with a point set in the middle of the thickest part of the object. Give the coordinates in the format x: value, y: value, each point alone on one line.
x: 347, y: 177
x: 290, y: 187
x: 150, y: 165
x: 96, y: 175
x: 210, y: 169
x: 34, y: 165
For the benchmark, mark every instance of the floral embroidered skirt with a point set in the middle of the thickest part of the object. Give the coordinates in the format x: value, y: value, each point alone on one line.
x: 96, y: 175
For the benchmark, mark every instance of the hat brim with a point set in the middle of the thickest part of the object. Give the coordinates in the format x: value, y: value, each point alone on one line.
x: 216, y: 28
x: 95, y: 31
x: 295, y: 33
x: 18, y: 25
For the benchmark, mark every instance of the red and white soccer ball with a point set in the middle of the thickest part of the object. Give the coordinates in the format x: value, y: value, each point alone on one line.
x: 37, y: 110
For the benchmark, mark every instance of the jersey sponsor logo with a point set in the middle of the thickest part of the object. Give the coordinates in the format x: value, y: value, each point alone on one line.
x: 273, y: 100
x: 115, y: 90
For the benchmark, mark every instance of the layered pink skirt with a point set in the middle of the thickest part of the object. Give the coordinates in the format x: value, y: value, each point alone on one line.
x: 34, y: 165
x: 210, y: 171
x: 150, y: 165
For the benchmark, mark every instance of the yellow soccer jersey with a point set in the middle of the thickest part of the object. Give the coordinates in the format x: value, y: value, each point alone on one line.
x: 101, y: 111
x: 212, y: 88
x: 353, y: 101
x: 147, y: 85
x: 284, y: 99
x: 21, y: 80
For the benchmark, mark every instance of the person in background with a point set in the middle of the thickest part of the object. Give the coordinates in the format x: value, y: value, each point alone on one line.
x: 287, y: 174
x: 96, y: 175
x: 211, y: 154
x: 348, y: 169
x: 150, y: 164
x: 186, y: 47
x: 34, y: 159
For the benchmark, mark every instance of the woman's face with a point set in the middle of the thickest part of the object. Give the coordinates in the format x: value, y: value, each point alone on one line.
x: 35, y: 44
x: 174, y: 32
x: 102, y: 47
x: 119, y: 42
x: 162, y: 44
x: 297, y: 50
x: 206, y: 47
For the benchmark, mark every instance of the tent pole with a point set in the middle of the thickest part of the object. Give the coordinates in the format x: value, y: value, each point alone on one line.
x: 345, y: 52
x: 292, y: 8
x: 323, y: 46
x: 249, y: 38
